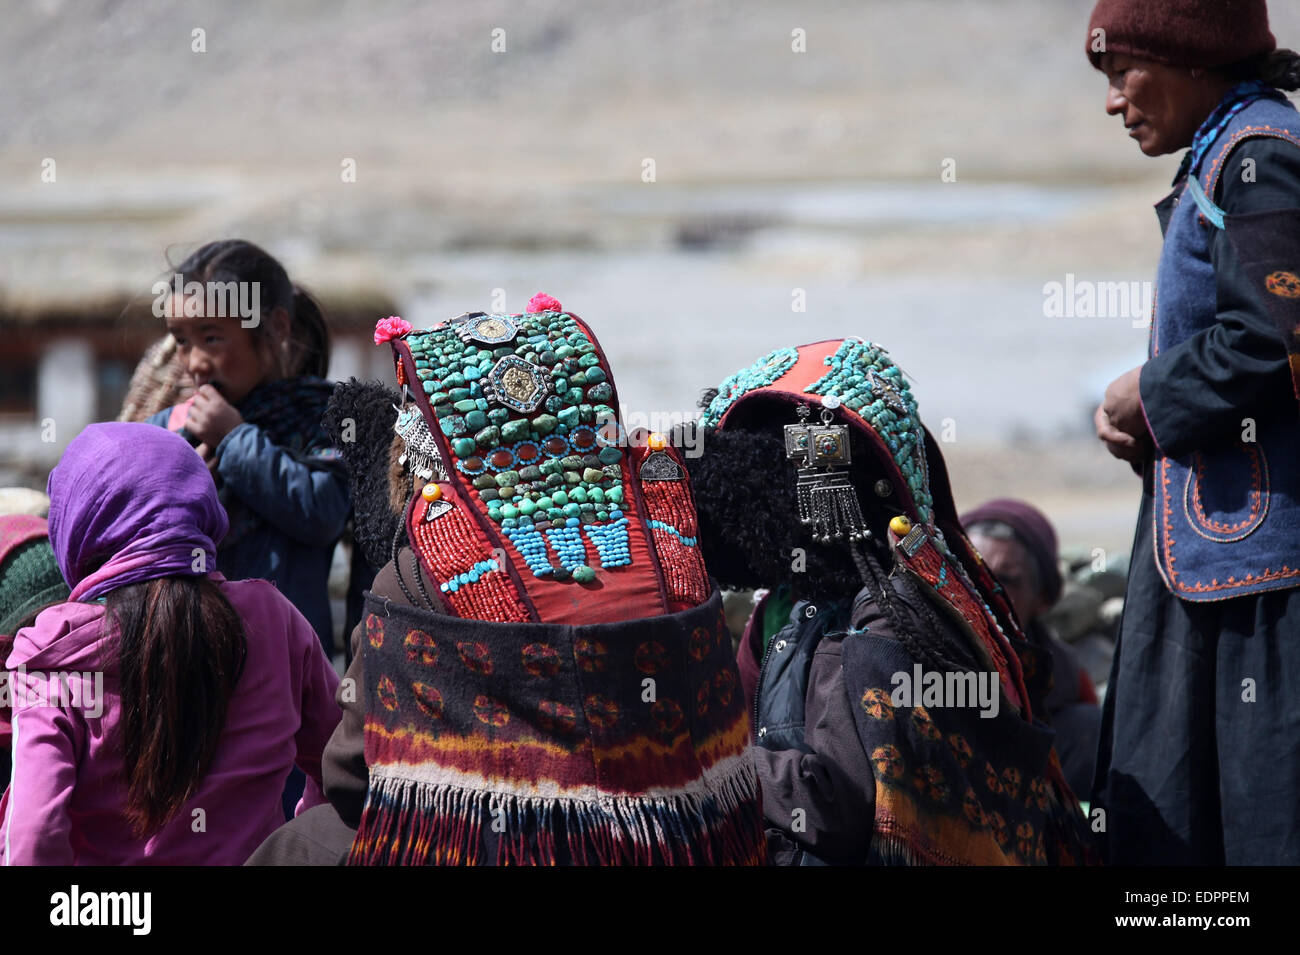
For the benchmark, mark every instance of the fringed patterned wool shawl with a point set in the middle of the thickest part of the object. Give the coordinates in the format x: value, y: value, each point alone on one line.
x: 615, y: 743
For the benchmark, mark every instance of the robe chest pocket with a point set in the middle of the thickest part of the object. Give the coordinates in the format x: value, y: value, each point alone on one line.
x: 1226, y: 495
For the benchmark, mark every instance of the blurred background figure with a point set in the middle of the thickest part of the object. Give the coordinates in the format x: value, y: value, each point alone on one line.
x: 30, y: 581
x: 1018, y: 544
x: 159, y: 381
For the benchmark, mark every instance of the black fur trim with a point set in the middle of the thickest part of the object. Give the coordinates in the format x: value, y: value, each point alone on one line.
x: 369, y: 405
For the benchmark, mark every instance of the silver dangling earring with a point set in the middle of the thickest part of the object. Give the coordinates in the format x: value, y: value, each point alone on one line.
x: 827, y: 500
x: 421, y: 451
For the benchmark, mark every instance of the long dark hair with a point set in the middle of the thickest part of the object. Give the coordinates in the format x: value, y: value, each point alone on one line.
x: 181, y: 651
x: 238, y: 260
x: 1280, y: 69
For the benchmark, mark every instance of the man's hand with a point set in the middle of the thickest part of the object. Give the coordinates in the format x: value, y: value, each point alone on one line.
x: 211, y: 416
x: 1121, y: 445
x: 1123, y: 405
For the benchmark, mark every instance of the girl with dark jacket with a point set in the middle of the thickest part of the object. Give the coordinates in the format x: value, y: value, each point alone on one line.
x: 255, y: 419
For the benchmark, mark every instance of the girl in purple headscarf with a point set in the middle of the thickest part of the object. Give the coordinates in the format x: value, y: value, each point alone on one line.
x: 157, y: 712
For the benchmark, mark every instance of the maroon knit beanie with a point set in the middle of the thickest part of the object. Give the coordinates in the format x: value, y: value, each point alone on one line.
x: 1195, y: 33
x: 1034, y: 531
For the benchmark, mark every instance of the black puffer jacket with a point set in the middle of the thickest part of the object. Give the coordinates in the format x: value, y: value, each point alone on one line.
x: 818, y: 785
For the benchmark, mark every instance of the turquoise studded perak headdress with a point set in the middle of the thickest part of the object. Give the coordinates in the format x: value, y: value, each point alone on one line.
x: 858, y: 384
x: 529, y: 502
x: 854, y: 384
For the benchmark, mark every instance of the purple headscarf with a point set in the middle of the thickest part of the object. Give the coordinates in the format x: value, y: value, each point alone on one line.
x: 131, y: 502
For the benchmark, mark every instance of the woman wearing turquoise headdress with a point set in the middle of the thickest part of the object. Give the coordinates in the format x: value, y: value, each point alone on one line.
x: 819, y: 482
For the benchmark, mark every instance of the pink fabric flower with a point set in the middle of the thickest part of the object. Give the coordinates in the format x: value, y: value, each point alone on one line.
x: 394, y: 326
x: 541, y: 302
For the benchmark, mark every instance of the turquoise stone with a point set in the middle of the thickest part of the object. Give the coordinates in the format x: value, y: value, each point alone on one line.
x: 615, y: 494
x: 527, y: 507
x: 485, y: 480
x: 591, y: 476
x: 588, y: 360
x: 573, y: 396
x: 561, y: 384
x: 586, y: 413
x: 452, y: 425
x: 475, y: 420
x: 499, y: 415
x: 554, y: 404
x: 439, y: 397
x: 427, y: 386
x: 553, y: 480
x: 559, y: 499
x: 544, y: 424
x: 458, y: 394
x: 584, y: 574
x: 465, y: 406
x: 571, y: 463
x: 507, y: 479
x: 569, y: 416
x: 509, y: 512
x: 489, y: 437
x: 596, y: 495
x: 553, y: 466
x: 577, y: 380
x: 595, y: 375
x: 530, y: 472
x: 463, y: 447
x: 454, y: 380
x: 600, y: 392
x: 564, y: 351
x: 572, y: 477
x: 578, y: 495
x: 610, y: 455
x: 516, y: 430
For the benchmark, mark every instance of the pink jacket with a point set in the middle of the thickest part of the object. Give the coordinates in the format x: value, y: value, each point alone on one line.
x: 66, y: 797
